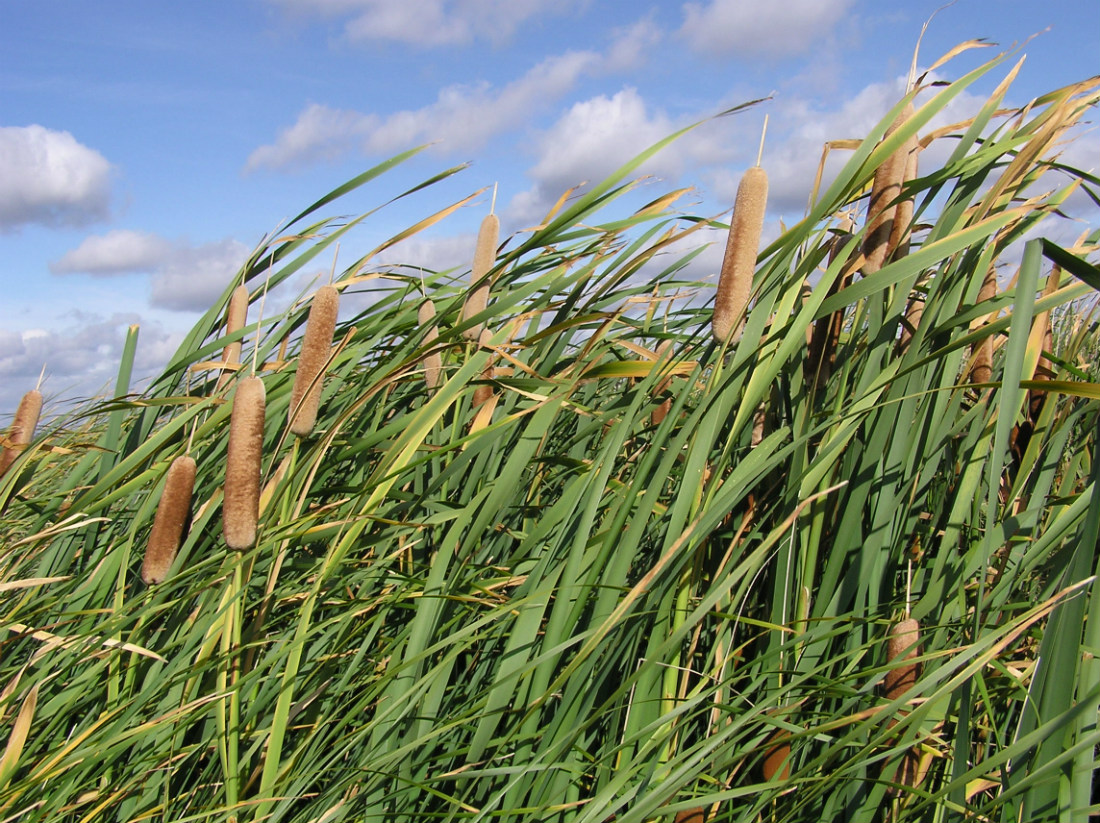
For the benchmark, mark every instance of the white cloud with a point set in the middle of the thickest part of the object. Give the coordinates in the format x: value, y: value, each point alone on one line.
x: 463, y: 117
x: 118, y: 252
x: 598, y: 135
x: 426, y: 23
x: 778, y: 29
x: 81, y: 357
x: 589, y: 142
x: 48, y: 178
x: 798, y: 131
x: 631, y: 45
x: 320, y: 133
x: 184, y: 277
x: 193, y: 276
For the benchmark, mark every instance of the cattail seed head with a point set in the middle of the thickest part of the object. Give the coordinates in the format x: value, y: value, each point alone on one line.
x: 1044, y: 368
x: 22, y: 428
x: 241, y: 507
x: 914, y: 310
x: 696, y: 815
x: 777, y: 756
x: 898, y: 246
x: 739, y: 263
x: 433, y: 362
x: 305, y: 397
x: 982, y: 369
x: 664, y: 352
x: 173, y: 511
x: 235, y: 316
x: 884, y: 192
x: 484, y: 392
x: 902, y: 645
x: 488, y: 237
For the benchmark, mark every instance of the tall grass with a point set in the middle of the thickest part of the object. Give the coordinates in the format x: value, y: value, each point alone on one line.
x: 581, y: 600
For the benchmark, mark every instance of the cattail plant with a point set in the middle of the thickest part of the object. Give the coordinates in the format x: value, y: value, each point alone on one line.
x: 1044, y: 371
x: 316, y: 348
x: 825, y: 338
x: 777, y: 756
x: 902, y: 645
x: 484, y: 392
x: 433, y: 361
x: 695, y: 815
x: 22, y: 428
x: 477, y: 300
x: 914, y: 310
x: 981, y: 370
x: 901, y: 226
x: 742, y: 246
x: 173, y: 511
x: 664, y: 352
x: 235, y: 316
x: 241, y: 508
x: 882, y: 206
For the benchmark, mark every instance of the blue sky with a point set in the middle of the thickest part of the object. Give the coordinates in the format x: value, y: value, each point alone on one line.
x: 145, y: 148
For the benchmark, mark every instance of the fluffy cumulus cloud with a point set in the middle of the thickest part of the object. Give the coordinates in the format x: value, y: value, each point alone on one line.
x: 738, y: 28
x: 427, y: 23
x: 81, y: 357
x: 192, y: 277
x: 598, y: 135
x: 183, y: 277
x: 118, y: 252
x: 462, y: 118
x: 591, y: 140
x: 799, y: 130
x: 47, y: 177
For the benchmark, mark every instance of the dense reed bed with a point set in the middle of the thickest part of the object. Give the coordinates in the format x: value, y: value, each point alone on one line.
x: 567, y: 557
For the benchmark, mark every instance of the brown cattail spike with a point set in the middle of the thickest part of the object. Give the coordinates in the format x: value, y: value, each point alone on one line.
x: 742, y: 247
x: 235, y: 316
x: 982, y: 369
x: 173, y: 511
x: 914, y: 311
x: 777, y: 756
x: 696, y: 815
x: 484, y: 392
x: 241, y: 508
x: 305, y: 398
x: 22, y: 428
x: 902, y: 645
x: 664, y: 352
x: 485, y: 254
x: 882, y: 206
x: 433, y: 362
x: 903, y: 215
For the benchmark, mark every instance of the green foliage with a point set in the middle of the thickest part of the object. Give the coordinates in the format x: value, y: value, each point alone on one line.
x: 552, y: 606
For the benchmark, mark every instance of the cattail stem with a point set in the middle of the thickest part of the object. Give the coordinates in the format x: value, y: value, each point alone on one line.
x: 173, y: 511
x: 241, y: 508
x: 305, y: 398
